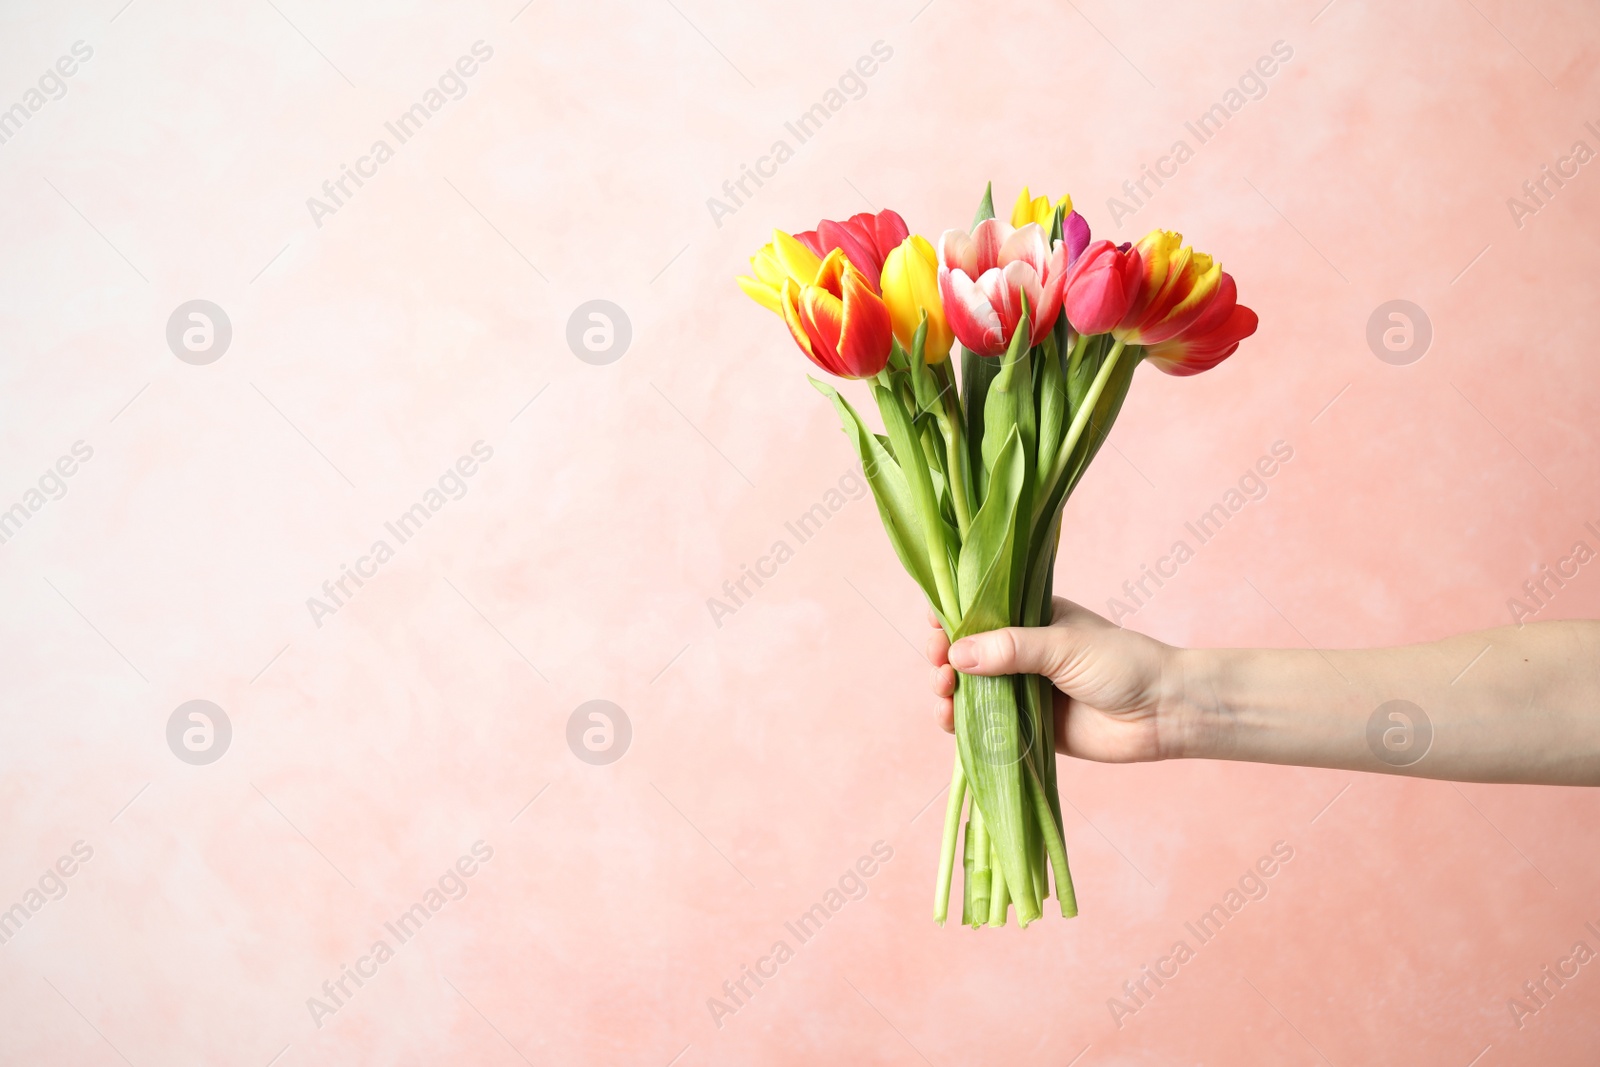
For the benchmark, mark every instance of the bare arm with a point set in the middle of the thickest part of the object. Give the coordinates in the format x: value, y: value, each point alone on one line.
x: 1504, y: 705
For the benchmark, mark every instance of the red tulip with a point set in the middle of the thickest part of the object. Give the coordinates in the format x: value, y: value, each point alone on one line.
x: 984, y: 276
x: 1100, y: 287
x: 838, y: 321
x: 865, y: 239
x: 1212, y: 338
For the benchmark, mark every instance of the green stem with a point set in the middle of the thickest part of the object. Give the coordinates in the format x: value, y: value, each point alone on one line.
x: 1053, y: 844
x: 908, y: 451
x: 1075, y: 353
x: 1080, y: 419
x: 947, y: 849
x: 982, y: 875
x: 999, y: 898
x: 966, y: 872
x: 958, y: 466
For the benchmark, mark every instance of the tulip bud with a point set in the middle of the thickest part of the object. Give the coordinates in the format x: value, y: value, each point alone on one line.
x: 911, y: 287
x: 1100, y: 287
x: 783, y: 258
x: 1036, y: 209
x: 984, y: 275
x: 838, y: 321
x: 1176, y: 286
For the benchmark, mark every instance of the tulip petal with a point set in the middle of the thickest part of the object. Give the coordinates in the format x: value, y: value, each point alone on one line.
x: 865, y: 334
x: 1028, y: 244
x: 957, y: 252
x: 822, y: 316
x: 1185, y: 357
x: 761, y: 293
x: 1051, y: 286
x: 889, y: 230
x: 830, y: 275
x: 1217, y: 310
x: 789, y: 308
x: 987, y: 239
x: 855, y: 244
x: 1022, y: 210
x: 797, y: 261
x: 972, y: 319
x: 1075, y: 233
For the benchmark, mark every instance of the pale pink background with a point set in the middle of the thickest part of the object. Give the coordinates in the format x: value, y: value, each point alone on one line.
x: 768, y: 754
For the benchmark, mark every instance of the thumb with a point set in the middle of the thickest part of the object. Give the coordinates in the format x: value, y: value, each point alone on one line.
x: 1013, y: 650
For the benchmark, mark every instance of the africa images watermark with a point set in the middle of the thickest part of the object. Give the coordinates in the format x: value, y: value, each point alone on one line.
x: 451, y: 885
x: 851, y: 886
x: 52, y: 485
x: 1539, y: 991
x: 1542, y: 188
x: 52, y: 85
x: 404, y: 127
x: 1251, y: 488
x: 337, y: 592
x: 52, y: 885
x: 1550, y: 579
x: 852, y: 85
x: 1140, y: 990
x: 1252, y: 85
x: 802, y: 528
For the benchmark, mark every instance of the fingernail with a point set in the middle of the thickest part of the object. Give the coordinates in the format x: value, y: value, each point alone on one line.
x: 964, y: 654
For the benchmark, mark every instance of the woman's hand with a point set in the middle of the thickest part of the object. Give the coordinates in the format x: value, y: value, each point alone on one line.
x: 1115, y: 689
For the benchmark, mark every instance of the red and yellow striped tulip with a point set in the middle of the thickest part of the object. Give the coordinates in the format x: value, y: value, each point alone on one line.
x: 1177, y: 285
x: 910, y: 284
x: 866, y: 240
x: 1211, y: 338
x: 837, y: 320
x: 780, y: 260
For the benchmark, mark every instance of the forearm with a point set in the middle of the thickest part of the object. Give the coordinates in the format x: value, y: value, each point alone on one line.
x: 1525, y: 710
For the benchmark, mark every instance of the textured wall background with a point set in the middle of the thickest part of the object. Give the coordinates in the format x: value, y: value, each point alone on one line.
x: 422, y: 720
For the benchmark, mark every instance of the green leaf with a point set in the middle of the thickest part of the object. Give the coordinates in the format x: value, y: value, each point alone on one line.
x: 985, y: 206
x: 889, y: 490
x: 1081, y: 372
x: 983, y: 573
x: 1009, y: 407
x: 1052, y: 402
x: 976, y: 374
x: 1009, y: 403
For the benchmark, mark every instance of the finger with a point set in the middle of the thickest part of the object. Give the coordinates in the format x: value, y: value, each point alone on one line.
x: 933, y: 620
x: 1013, y: 650
x: 937, y: 648
x: 943, y: 682
x: 945, y: 710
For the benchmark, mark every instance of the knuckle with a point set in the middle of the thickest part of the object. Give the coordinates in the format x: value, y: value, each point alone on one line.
x: 1000, y: 649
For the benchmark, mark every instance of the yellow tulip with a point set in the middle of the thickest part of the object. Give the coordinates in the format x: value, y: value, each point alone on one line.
x: 911, y: 287
x: 783, y: 258
x: 1038, y: 209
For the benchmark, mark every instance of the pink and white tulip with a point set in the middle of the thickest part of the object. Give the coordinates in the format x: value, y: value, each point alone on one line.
x: 984, y: 275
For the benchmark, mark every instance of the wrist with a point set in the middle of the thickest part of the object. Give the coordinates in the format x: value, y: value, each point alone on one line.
x: 1192, y: 711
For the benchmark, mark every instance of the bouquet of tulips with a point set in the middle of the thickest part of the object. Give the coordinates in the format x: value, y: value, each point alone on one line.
x: 970, y: 483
